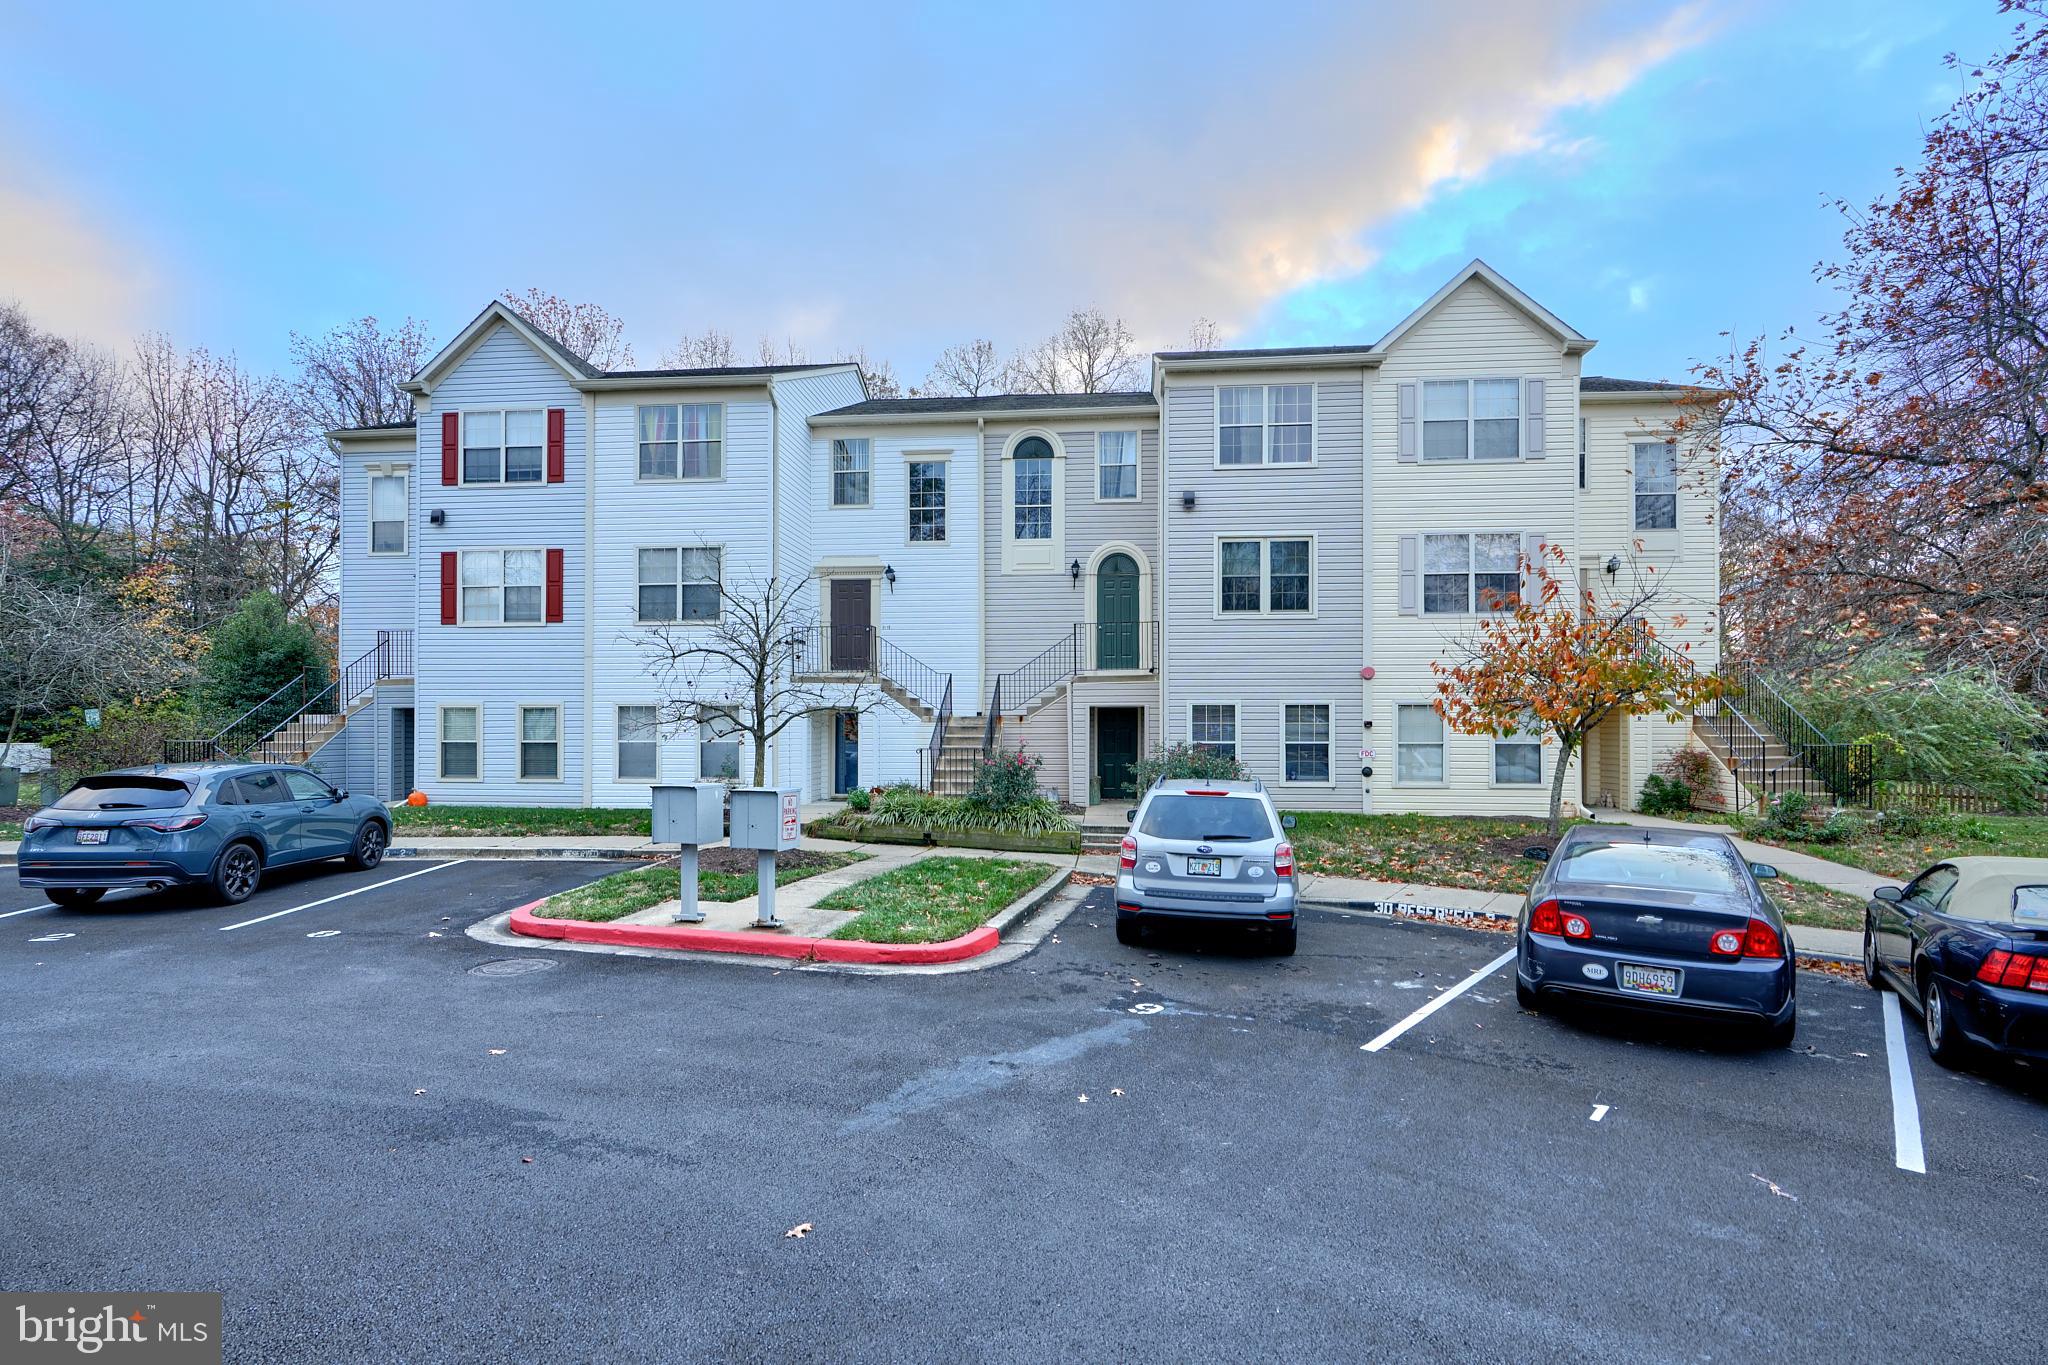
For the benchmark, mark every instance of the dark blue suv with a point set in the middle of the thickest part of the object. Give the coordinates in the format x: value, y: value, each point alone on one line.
x: 191, y: 824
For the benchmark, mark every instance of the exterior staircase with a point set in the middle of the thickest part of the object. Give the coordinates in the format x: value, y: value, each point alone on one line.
x: 959, y: 753
x: 1772, y: 749
x: 294, y: 722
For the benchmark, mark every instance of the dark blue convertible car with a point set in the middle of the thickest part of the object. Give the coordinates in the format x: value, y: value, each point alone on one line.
x: 218, y: 825
x: 1672, y: 920
x: 1966, y: 943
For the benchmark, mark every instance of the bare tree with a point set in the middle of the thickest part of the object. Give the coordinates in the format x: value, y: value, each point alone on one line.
x: 1203, y: 335
x: 785, y: 352
x: 588, y: 331
x: 966, y: 370
x: 755, y: 669
x: 33, y: 366
x: 350, y: 376
x: 1091, y: 353
x: 710, y: 349
x: 880, y: 374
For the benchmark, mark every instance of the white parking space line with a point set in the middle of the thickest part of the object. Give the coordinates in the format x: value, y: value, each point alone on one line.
x: 30, y: 911
x: 1433, y: 1006
x: 344, y: 895
x: 1906, y: 1148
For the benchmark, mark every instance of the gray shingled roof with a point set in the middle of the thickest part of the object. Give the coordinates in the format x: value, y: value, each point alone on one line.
x: 1594, y: 383
x: 1003, y: 402
x: 1260, y: 352
x: 407, y: 425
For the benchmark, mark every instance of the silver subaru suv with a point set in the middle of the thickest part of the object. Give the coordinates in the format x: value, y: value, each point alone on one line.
x: 1203, y: 850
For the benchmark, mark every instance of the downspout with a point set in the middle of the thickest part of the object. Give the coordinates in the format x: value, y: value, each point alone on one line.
x: 1370, y: 602
x: 589, y: 593
x: 1165, y: 561
x: 981, y: 555
x: 773, y: 768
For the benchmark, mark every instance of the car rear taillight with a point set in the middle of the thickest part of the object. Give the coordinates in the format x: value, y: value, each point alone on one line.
x: 36, y: 822
x: 1127, y: 852
x: 1546, y: 919
x: 2014, y: 971
x: 169, y: 824
x: 1727, y: 942
x: 1204, y: 791
x: 1283, y: 860
x: 1762, y: 941
x: 1577, y: 926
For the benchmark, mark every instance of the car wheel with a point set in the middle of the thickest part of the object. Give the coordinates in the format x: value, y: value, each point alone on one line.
x: 1944, y: 1042
x: 1283, y: 941
x: 236, y: 875
x: 1873, y: 975
x: 72, y: 896
x: 1525, y: 995
x: 368, y: 850
x: 1129, y: 932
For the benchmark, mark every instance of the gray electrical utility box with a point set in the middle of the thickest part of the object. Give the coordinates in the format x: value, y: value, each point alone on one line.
x: 690, y: 813
x: 766, y: 818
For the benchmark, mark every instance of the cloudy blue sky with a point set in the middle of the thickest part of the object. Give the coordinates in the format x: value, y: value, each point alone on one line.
x: 902, y: 177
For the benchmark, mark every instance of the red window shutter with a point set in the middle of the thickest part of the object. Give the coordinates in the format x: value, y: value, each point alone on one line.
x: 554, y: 585
x: 451, y: 446
x: 447, y: 587
x: 557, y: 424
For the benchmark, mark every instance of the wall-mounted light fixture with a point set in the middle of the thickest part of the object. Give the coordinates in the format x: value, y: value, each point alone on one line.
x: 889, y: 576
x: 1613, y: 565
x: 1074, y: 571
x: 437, y: 518
x: 1187, y: 502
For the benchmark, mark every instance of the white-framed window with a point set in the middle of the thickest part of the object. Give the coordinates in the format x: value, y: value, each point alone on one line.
x: 389, y: 512
x: 1656, y: 485
x: 1265, y: 576
x: 1116, y: 465
x: 1471, y: 419
x: 1463, y: 573
x: 460, y: 735
x: 1031, y: 482
x: 927, y: 501
x: 1305, y: 741
x: 1518, y: 758
x: 720, y: 747
x: 1213, y: 726
x: 639, y: 757
x: 504, y: 445
x: 1418, y: 744
x: 682, y: 440
x: 679, y: 583
x: 1265, y: 424
x: 502, y: 588
x: 852, y: 471
x: 540, y: 743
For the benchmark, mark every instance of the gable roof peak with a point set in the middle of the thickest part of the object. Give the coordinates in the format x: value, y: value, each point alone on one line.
x: 1570, y: 338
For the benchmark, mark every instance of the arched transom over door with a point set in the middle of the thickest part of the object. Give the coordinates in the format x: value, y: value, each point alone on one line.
x: 1116, y: 612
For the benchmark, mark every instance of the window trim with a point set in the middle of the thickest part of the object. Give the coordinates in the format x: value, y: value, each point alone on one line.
x: 1635, y: 498
x: 1265, y: 611
x: 679, y: 619
x: 660, y: 481
x: 1423, y: 382
x: 832, y: 502
x: 1137, y: 436
x: 462, y: 448
x: 943, y: 458
x: 462, y: 620
x: 1520, y: 737
x: 1471, y: 611
x: 1266, y: 424
x: 402, y: 472
x: 619, y: 738
x: 441, y: 710
x: 1445, y: 743
x: 1033, y: 556
x: 1236, y: 723
x: 519, y: 742
x: 1329, y: 744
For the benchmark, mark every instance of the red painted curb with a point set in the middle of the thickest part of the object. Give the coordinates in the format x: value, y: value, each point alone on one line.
x: 754, y: 943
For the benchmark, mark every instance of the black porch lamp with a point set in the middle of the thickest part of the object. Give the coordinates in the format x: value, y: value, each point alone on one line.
x: 889, y: 575
x: 1074, y: 571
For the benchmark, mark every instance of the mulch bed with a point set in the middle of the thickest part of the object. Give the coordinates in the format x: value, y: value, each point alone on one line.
x: 1512, y: 848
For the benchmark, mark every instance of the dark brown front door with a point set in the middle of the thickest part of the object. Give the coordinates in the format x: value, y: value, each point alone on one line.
x: 852, y: 624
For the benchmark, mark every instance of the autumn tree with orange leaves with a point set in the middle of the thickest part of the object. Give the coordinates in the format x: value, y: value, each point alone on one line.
x: 1553, y: 668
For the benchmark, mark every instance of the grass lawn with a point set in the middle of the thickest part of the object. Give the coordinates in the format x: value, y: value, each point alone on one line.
x: 932, y: 899
x: 1482, y: 853
x: 1892, y: 854
x: 517, y: 820
x: 622, y: 893
x: 1812, y: 904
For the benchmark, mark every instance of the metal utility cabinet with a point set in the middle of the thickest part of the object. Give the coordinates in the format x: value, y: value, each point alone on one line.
x: 689, y: 814
x: 767, y: 820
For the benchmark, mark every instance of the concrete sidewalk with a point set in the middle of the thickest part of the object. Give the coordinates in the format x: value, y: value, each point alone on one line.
x: 1852, y: 881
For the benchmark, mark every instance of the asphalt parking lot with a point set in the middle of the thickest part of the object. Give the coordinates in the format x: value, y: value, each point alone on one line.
x: 322, y: 1103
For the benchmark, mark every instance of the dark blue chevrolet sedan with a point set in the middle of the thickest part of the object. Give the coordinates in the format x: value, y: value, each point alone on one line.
x: 218, y: 825
x: 1671, y: 920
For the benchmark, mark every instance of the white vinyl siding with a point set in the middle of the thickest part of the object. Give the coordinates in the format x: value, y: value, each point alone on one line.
x: 927, y: 501
x: 681, y: 441
x: 1265, y: 576
x: 1656, y: 477
x: 679, y: 583
x: 1305, y: 742
x: 1265, y: 424
x: 389, y: 513
x: 1418, y: 745
x: 502, y: 587
x: 1116, y: 465
x: 503, y: 446
x: 1463, y: 574
x: 852, y: 472
x: 540, y: 743
x: 461, y: 732
x: 639, y: 738
x: 1213, y: 726
x: 1471, y: 419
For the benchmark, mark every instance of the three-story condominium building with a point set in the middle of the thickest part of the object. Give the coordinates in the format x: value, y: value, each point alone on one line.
x: 1263, y: 553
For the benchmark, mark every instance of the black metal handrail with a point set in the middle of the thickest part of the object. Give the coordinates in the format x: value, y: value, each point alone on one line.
x: 938, y: 739
x: 858, y: 650
x: 995, y: 715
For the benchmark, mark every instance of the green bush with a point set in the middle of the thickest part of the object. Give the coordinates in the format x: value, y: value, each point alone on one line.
x: 1664, y: 796
x: 955, y: 814
x: 1693, y: 769
x: 128, y: 735
x: 858, y: 799
x: 1185, y: 761
x: 253, y: 653
x: 1005, y: 780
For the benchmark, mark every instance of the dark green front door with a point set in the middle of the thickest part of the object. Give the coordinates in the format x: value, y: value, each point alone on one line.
x: 1118, y: 732
x: 1116, y: 612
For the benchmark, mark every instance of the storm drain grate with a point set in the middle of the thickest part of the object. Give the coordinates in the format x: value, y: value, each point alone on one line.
x: 513, y: 966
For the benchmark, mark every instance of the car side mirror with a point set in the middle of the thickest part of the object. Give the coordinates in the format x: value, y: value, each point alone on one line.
x: 1890, y: 893
x: 340, y: 796
x: 1762, y: 870
x: 1130, y: 815
x: 1287, y: 822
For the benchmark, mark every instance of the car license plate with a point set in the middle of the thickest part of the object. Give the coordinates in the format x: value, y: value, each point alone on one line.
x: 1205, y: 867
x: 92, y: 836
x: 1647, y: 980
